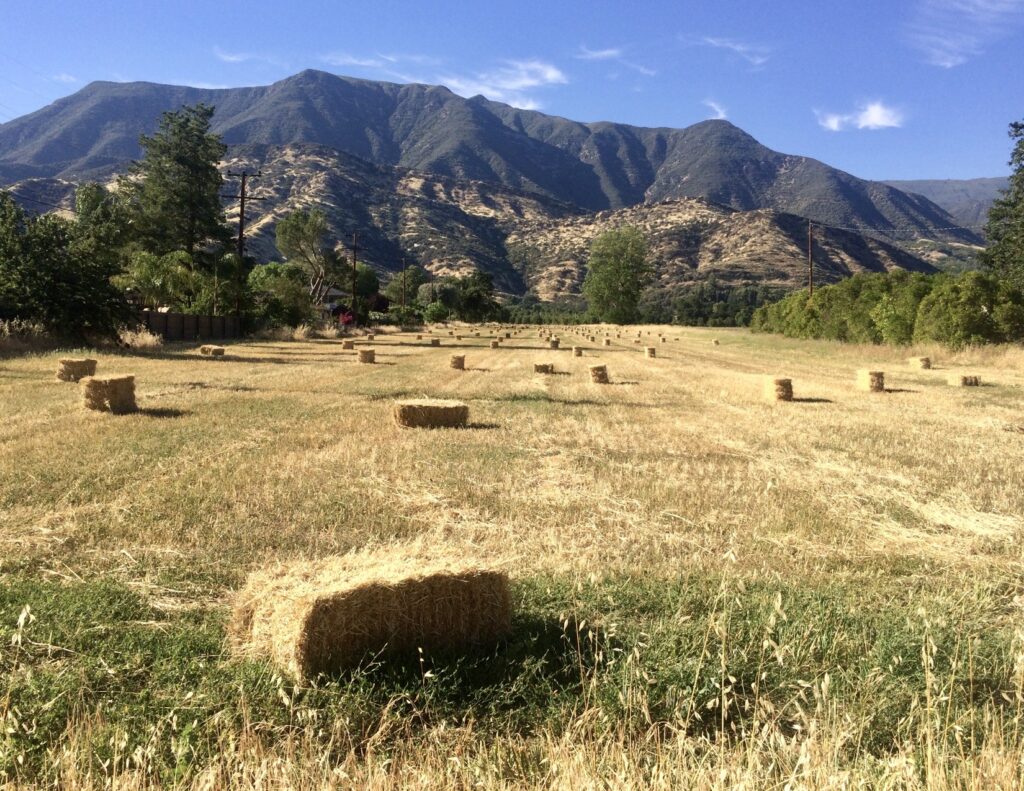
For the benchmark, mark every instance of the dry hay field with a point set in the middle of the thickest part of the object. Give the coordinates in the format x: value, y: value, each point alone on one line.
x: 710, y: 590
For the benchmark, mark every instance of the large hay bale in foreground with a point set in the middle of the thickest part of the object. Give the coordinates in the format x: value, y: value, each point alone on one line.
x: 599, y: 374
x: 348, y: 345
x: 543, y: 368
x: 72, y: 370
x: 431, y: 413
x: 965, y: 380
x: 368, y: 356
x: 778, y: 389
x: 920, y: 363
x: 322, y: 617
x: 115, y: 394
x: 209, y: 350
x: 871, y: 381
x: 458, y: 362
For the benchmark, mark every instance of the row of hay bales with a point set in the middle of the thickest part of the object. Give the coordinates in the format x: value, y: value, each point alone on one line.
x: 781, y: 388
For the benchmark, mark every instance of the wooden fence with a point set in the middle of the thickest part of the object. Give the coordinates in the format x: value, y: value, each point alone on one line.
x: 189, y: 327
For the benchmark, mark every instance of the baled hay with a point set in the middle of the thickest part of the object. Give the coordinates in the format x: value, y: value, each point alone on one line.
x: 367, y: 356
x: 871, y: 381
x: 921, y: 363
x: 71, y: 370
x: 458, y: 362
x: 322, y: 617
x: 419, y: 337
x: 664, y: 339
x: 508, y: 335
x: 577, y: 351
x: 962, y: 380
x: 543, y: 368
x: 599, y: 374
x: 553, y: 343
x: 777, y: 389
x: 715, y: 342
x: 650, y: 352
x: 370, y: 336
x: 476, y: 334
x: 431, y: 413
x: 458, y: 337
x: 607, y: 341
x: 209, y: 350
x: 495, y: 344
x: 115, y: 394
x: 348, y: 345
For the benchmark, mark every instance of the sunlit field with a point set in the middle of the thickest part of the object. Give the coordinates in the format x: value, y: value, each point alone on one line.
x: 711, y: 590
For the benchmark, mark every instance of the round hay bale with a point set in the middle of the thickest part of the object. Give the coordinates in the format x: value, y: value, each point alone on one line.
x: 778, y: 389
x: 871, y: 381
x: 348, y: 345
x: 435, y: 341
x: 965, y: 380
x: 115, y: 394
x: 495, y: 344
x: 72, y: 370
x: 650, y: 352
x: 920, y: 363
x: 553, y: 343
x: 599, y: 374
x: 368, y: 356
x: 577, y: 351
x: 458, y: 362
x: 543, y: 368
x: 431, y: 413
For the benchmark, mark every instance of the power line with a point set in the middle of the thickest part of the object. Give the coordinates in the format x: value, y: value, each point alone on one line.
x: 36, y: 200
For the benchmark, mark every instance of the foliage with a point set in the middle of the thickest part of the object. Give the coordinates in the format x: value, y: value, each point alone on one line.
x: 1004, y: 256
x: 706, y: 304
x: 280, y: 295
x: 616, y: 275
x: 437, y: 311
x: 174, y: 190
x: 408, y: 281
x: 971, y: 309
x: 302, y: 238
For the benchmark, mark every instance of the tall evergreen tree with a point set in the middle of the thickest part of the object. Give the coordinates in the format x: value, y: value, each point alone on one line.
x: 175, y: 188
x: 1005, y: 228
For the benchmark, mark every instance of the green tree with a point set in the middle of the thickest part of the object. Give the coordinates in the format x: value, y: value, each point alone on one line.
x: 280, y: 295
x: 476, y: 300
x: 408, y: 280
x: 1004, y: 255
x: 174, y: 189
x: 303, y: 239
x: 617, y: 274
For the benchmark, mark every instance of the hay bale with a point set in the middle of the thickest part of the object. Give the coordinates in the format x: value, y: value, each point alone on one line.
x: 72, y: 369
x: 714, y: 342
x: 965, y: 380
x: 599, y: 374
x: 458, y: 337
x: 458, y: 362
x: 115, y: 394
x: 495, y: 344
x: 543, y: 368
x: 920, y: 363
x: 664, y: 339
x: 650, y: 352
x: 209, y: 350
x: 553, y: 343
x: 435, y: 341
x: 419, y: 337
x: 508, y: 335
x: 431, y: 413
x: 348, y: 345
x: 871, y: 381
x: 368, y: 356
x: 577, y: 351
x: 607, y: 341
x: 778, y: 389
x: 322, y: 617
x: 370, y: 336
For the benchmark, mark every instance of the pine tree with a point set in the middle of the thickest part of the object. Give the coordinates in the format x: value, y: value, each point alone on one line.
x: 1005, y: 229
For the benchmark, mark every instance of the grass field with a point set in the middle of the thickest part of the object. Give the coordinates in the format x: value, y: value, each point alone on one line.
x: 711, y: 590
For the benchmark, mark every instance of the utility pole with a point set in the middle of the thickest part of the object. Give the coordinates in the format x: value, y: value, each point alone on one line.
x: 404, y: 268
x: 810, y: 260
x: 240, y: 249
x: 355, y: 250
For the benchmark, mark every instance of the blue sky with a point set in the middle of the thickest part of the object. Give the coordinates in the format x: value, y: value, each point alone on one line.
x: 883, y: 89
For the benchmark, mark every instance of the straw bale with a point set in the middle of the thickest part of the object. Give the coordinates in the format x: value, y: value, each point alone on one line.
x: 577, y: 351
x: 607, y: 341
x: 72, y: 369
x: 114, y: 394
x: 367, y: 356
x: 458, y: 337
x: 348, y: 345
x: 458, y: 362
x: 431, y: 413
x: 650, y: 352
x: 921, y: 363
x: 419, y: 337
x: 370, y: 336
x: 209, y: 350
x: 664, y: 339
x: 599, y: 374
x: 495, y: 344
x: 543, y: 368
x: 435, y: 341
x: 715, y: 342
x: 327, y: 615
x: 871, y: 381
x: 553, y: 343
x: 778, y: 389
x: 965, y: 380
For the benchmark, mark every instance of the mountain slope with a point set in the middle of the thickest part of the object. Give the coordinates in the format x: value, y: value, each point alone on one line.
x: 428, y: 128
x: 966, y: 200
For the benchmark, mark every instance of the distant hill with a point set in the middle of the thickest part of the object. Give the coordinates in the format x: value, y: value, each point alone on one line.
x: 595, y: 166
x: 966, y: 200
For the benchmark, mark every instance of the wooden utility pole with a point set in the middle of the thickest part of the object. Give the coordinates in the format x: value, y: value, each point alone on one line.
x: 355, y: 251
x: 810, y: 260
x: 404, y: 268
x: 240, y: 247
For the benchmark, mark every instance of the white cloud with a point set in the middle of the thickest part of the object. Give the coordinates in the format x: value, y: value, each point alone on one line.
x: 951, y: 32
x: 754, y: 54
x: 719, y: 110
x: 508, y: 82
x: 65, y: 78
x: 612, y: 53
x: 345, y: 59
x: 870, y: 115
x: 243, y: 57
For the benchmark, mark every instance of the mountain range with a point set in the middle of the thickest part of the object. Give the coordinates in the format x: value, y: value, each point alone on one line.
x: 452, y: 182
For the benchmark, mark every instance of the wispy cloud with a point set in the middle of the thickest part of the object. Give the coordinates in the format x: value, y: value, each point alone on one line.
x: 585, y: 53
x: 508, y: 83
x: 719, y: 110
x: 345, y: 59
x: 244, y: 57
x: 754, y: 54
x: 870, y: 115
x: 65, y: 78
x: 951, y: 32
